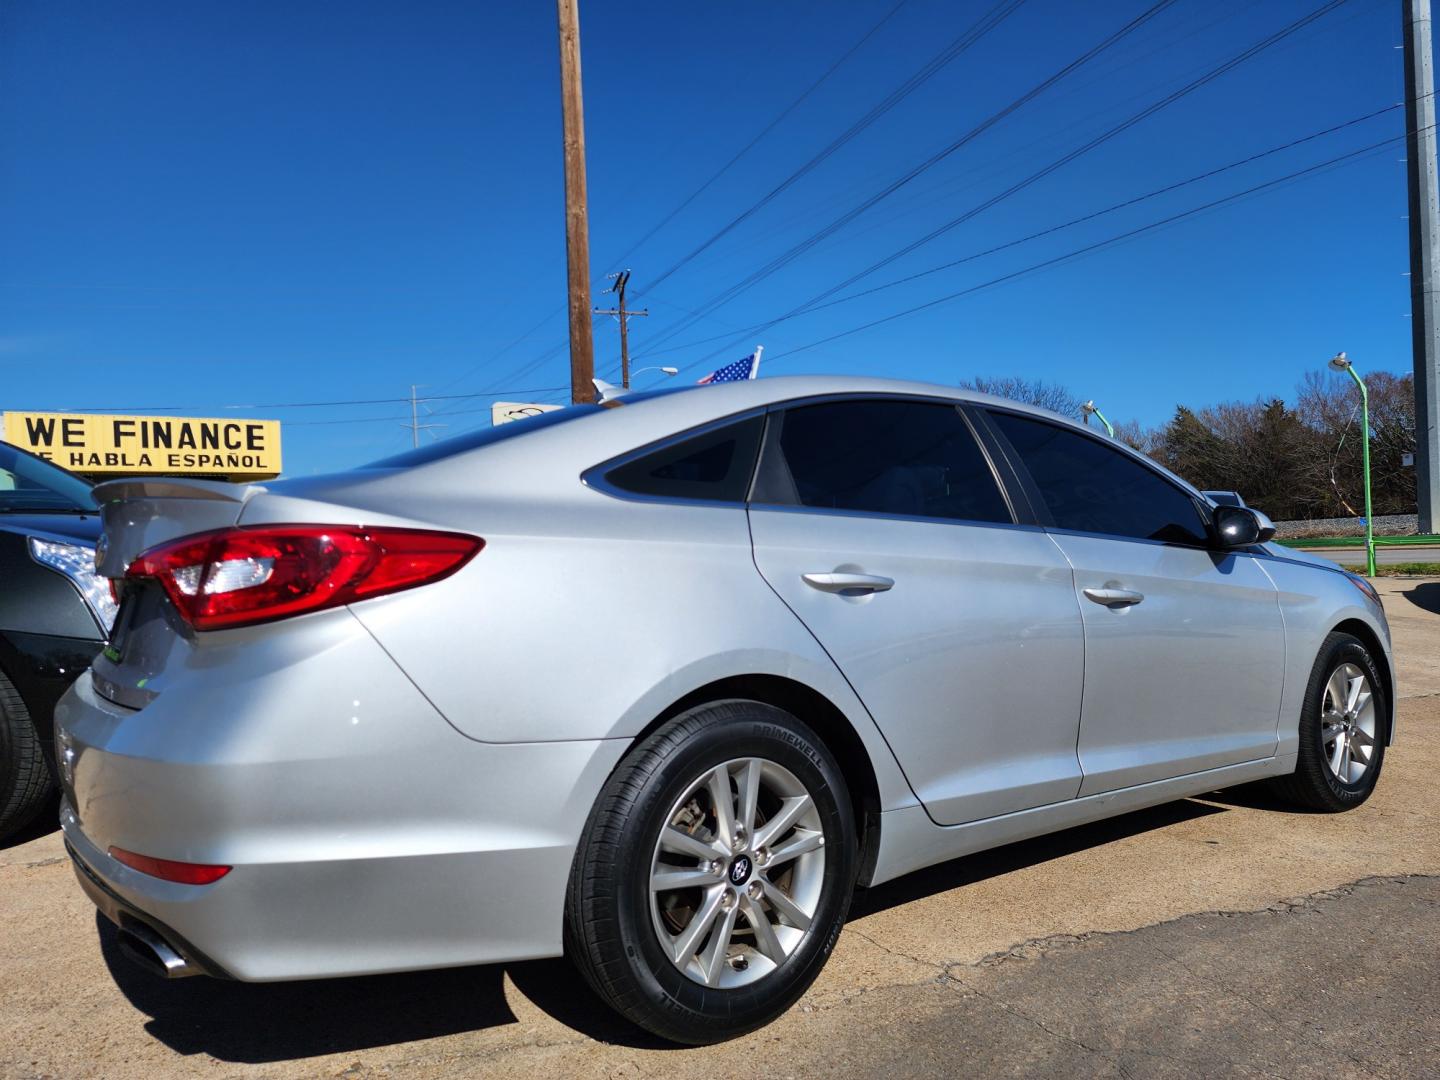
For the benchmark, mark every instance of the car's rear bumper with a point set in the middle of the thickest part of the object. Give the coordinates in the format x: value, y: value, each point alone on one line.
x: 373, y: 838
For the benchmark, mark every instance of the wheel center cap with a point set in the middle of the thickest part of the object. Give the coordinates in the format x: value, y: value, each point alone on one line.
x: 740, y: 870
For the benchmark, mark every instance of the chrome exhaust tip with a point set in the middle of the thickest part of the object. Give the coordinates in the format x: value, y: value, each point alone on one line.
x: 151, y: 951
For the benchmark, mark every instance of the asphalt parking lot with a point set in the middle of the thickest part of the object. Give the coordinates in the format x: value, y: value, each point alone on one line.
x: 1222, y: 936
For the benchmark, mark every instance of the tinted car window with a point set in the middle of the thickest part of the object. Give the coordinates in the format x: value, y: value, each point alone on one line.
x: 887, y: 457
x: 1091, y: 487
x: 715, y: 465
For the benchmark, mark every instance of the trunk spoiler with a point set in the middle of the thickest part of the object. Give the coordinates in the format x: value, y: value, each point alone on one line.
x: 169, y: 487
x: 141, y: 512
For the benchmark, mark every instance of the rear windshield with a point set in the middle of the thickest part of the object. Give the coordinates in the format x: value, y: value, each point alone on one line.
x: 472, y: 440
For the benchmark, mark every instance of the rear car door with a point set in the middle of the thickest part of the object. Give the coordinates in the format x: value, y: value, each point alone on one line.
x: 882, y: 525
x: 1184, y: 644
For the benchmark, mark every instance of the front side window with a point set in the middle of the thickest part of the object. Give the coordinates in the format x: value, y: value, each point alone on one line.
x: 1091, y: 487
x: 906, y: 458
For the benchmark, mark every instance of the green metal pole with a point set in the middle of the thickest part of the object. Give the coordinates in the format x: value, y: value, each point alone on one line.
x: 1089, y: 407
x: 1365, y: 459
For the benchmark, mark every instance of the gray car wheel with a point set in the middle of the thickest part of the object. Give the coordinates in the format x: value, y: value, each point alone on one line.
x: 714, y: 873
x: 1342, y: 730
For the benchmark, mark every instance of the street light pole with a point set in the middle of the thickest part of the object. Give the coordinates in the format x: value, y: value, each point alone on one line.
x: 1342, y: 363
x: 1089, y: 409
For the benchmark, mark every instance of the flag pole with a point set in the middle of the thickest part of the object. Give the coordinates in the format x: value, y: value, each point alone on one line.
x: 755, y: 367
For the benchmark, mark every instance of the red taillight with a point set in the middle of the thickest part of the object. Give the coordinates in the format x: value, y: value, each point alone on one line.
x: 185, y: 873
x: 240, y: 576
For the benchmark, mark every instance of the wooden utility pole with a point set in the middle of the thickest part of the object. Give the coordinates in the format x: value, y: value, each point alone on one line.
x: 621, y: 280
x: 577, y: 224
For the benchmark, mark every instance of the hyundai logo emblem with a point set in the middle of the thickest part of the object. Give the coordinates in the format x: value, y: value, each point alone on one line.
x: 740, y: 870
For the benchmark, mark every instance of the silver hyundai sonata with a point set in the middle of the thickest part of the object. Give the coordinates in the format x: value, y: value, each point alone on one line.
x: 657, y: 685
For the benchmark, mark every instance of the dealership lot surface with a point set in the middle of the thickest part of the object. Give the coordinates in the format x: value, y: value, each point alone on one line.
x: 1220, y: 936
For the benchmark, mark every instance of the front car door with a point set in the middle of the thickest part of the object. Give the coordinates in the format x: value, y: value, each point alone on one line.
x: 881, y: 524
x: 1184, y: 644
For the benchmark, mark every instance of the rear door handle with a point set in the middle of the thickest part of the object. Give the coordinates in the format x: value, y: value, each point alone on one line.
x: 848, y: 583
x: 1114, y: 597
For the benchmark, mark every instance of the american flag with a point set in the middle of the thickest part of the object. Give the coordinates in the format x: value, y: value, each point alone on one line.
x: 739, y: 371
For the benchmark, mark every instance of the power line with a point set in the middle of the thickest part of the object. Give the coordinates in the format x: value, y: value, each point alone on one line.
x: 1100, y: 244
x: 306, y: 404
x: 763, y: 132
x: 812, y: 307
x: 739, y: 333
x: 987, y: 22
x: 945, y: 152
x: 1065, y: 159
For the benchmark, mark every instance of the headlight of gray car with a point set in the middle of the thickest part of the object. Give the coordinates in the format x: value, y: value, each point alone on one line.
x: 1364, y: 585
x: 77, y: 562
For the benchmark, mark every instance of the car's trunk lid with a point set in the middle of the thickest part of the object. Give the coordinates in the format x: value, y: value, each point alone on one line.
x: 140, y: 513
x: 137, y: 515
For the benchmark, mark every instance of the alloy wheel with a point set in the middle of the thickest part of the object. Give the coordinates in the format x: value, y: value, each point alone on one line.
x: 1348, y: 724
x: 737, y: 873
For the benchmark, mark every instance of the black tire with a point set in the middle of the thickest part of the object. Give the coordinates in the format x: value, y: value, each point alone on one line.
x: 610, y: 934
x: 25, y: 781
x: 1314, y: 785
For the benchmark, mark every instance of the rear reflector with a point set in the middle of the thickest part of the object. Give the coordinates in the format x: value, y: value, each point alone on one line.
x: 241, y: 576
x: 184, y: 873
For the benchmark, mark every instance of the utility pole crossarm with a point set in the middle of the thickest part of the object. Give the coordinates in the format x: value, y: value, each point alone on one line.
x: 414, y: 425
x: 621, y: 280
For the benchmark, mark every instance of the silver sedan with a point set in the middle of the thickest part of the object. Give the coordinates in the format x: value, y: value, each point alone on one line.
x: 658, y: 685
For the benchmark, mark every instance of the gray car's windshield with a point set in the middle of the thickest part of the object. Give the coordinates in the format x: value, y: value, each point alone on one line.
x: 31, y: 485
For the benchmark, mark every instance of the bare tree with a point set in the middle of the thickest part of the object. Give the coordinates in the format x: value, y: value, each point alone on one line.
x: 1037, y: 392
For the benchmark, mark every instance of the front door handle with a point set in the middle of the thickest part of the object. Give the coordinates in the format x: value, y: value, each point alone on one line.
x: 851, y: 584
x: 1114, y: 597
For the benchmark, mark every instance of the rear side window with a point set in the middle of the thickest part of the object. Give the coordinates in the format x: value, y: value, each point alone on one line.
x: 714, y: 466
x: 1091, y: 487
x: 907, y: 458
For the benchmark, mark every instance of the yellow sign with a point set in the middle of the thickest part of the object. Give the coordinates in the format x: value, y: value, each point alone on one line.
x: 150, y: 445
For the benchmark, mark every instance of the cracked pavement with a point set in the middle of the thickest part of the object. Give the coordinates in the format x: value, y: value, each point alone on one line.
x: 1222, y: 936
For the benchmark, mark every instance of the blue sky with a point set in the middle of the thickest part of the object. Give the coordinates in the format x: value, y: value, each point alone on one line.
x: 208, y: 204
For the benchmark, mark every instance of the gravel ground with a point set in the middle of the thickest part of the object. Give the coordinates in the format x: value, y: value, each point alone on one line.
x: 1385, y: 525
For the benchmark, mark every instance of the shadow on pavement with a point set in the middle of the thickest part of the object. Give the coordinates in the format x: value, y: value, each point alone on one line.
x: 264, y: 1022
x: 1425, y: 595
x: 256, y: 1023
x: 1257, y: 796
x: 1012, y: 857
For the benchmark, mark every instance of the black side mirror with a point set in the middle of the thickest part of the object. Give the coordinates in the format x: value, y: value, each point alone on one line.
x: 1240, y: 527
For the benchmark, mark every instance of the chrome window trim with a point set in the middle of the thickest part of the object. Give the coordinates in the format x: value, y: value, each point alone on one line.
x: 831, y: 511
